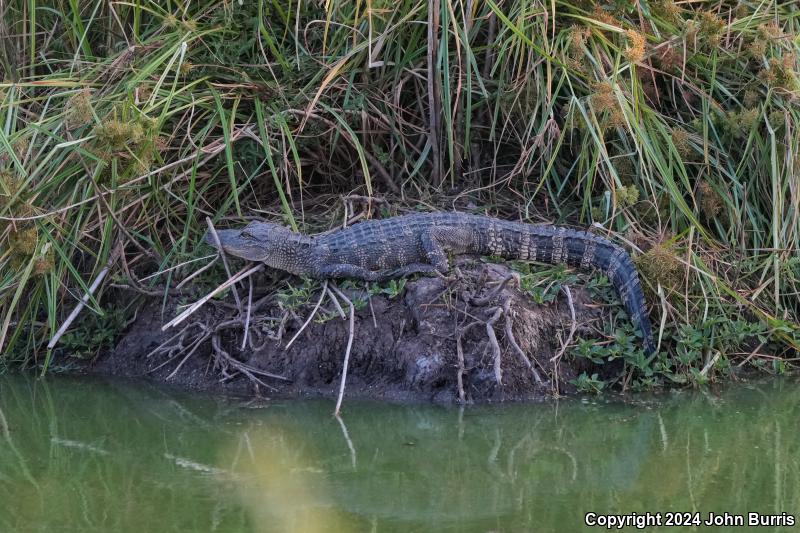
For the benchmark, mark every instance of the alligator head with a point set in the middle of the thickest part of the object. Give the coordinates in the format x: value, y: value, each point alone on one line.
x: 273, y: 244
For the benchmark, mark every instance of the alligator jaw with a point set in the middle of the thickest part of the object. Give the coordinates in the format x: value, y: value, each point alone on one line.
x: 234, y: 244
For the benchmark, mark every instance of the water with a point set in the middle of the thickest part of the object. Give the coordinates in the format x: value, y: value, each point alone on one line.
x: 85, y: 455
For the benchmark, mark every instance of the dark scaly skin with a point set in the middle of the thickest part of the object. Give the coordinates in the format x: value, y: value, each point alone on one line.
x: 378, y: 250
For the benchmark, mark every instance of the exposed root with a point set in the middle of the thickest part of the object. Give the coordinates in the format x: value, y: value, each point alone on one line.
x: 513, y: 341
x: 225, y: 360
x: 238, y: 341
x: 186, y: 343
x: 496, y: 352
x: 484, y: 300
x: 462, y: 397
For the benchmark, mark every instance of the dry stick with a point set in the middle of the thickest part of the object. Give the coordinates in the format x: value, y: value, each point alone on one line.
x: 572, y: 327
x: 663, y: 323
x: 247, y: 318
x: 170, y: 269
x: 193, y: 275
x: 347, y: 351
x: 221, y: 251
x: 752, y: 354
x: 93, y: 287
x: 498, y: 371
x: 195, y: 306
x: 186, y: 358
x: 310, y: 316
x: 461, y: 370
x: 336, y: 304
x: 371, y: 309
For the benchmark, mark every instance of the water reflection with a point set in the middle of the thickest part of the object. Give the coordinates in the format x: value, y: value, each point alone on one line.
x: 95, y: 456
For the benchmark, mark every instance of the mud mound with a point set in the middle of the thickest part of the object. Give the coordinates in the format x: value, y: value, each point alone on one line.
x: 474, y: 337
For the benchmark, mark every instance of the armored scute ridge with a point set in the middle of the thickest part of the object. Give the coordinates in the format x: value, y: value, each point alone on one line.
x: 378, y: 250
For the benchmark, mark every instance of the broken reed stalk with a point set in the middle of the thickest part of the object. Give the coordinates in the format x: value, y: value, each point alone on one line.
x: 346, y: 362
x: 195, y: 306
x: 194, y: 274
x: 572, y: 327
x: 218, y: 245
x: 311, y: 315
x: 92, y: 288
x: 247, y: 317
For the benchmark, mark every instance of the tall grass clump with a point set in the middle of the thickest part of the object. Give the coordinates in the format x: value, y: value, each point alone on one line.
x: 671, y: 125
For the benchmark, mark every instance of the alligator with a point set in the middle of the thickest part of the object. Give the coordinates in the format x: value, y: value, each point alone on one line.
x: 378, y: 250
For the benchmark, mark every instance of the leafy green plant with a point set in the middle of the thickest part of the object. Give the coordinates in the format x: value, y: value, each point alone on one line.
x: 391, y: 289
x: 589, y: 384
x: 95, y: 333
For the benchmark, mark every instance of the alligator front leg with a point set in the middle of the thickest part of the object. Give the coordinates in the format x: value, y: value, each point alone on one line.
x: 432, y: 242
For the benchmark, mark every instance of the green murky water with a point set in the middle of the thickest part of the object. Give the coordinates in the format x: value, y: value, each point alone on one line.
x: 84, y: 455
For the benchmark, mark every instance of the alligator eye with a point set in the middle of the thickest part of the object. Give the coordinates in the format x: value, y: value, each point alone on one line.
x: 245, y: 235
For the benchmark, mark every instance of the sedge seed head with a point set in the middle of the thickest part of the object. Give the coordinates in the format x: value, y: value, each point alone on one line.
x: 711, y: 202
x: 751, y: 98
x: 23, y: 242
x: 601, y: 15
x: 79, y: 109
x: 770, y: 31
x: 668, y: 10
x: 44, y: 264
x: 680, y: 139
x: 661, y: 266
x: 634, y: 52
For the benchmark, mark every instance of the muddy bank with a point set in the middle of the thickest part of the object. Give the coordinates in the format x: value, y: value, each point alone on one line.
x: 475, y: 336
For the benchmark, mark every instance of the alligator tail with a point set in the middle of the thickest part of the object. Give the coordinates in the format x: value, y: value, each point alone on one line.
x: 580, y: 249
x: 615, y: 262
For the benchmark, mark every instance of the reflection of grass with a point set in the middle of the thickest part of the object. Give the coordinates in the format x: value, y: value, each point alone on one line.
x: 156, y: 461
x: 81, y: 457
